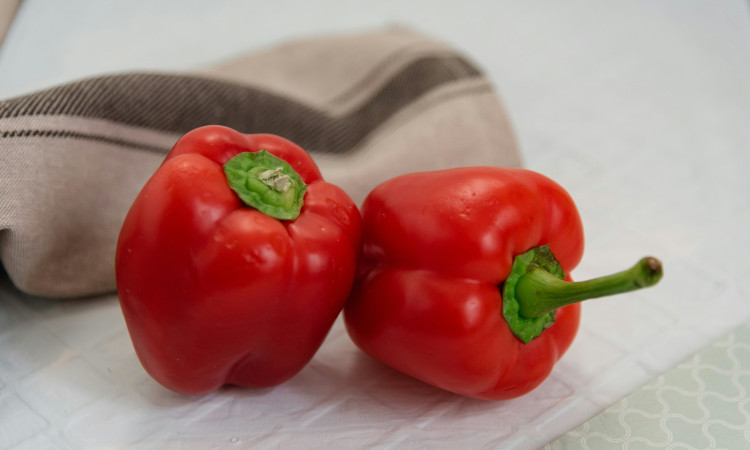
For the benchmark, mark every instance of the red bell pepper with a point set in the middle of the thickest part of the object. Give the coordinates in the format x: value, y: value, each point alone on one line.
x: 460, y: 281
x: 234, y: 261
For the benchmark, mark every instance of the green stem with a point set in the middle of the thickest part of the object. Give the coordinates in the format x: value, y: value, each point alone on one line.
x: 538, y: 292
x: 266, y: 183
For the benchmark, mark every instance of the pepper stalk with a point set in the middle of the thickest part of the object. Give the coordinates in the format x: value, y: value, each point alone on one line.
x: 535, y: 289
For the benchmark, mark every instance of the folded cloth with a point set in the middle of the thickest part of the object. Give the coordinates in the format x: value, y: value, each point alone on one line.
x: 367, y: 107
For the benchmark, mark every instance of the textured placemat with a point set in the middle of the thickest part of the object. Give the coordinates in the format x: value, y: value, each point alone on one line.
x: 702, y: 403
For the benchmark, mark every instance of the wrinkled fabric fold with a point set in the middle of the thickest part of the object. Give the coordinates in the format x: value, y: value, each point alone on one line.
x: 367, y: 106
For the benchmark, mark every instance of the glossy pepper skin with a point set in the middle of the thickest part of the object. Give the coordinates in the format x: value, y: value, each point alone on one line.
x: 438, y: 249
x: 214, y: 291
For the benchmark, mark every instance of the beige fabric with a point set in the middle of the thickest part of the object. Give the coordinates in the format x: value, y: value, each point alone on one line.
x: 469, y: 128
x: 367, y: 106
x: 306, y: 70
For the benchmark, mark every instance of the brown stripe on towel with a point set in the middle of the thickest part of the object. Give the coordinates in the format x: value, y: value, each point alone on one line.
x: 177, y: 104
x: 67, y: 134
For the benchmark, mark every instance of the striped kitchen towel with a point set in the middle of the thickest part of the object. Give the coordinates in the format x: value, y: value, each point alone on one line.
x: 367, y: 106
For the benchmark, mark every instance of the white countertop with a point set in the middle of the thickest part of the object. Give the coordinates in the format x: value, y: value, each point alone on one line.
x: 639, y: 109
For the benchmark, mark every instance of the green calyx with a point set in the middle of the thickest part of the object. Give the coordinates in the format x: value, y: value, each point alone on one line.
x: 266, y: 183
x: 527, y: 328
x: 535, y: 289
